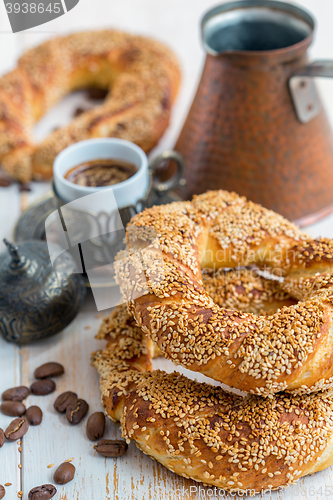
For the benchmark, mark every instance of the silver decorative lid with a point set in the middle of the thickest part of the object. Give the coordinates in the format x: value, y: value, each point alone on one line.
x: 36, y: 300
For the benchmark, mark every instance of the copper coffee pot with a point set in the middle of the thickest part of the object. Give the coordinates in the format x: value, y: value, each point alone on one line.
x: 257, y: 125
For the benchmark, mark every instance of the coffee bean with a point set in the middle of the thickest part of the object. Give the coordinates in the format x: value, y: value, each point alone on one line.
x: 2, y: 438
x: 65, y: 399
x: 16, y: 394
x: 34, y: 415
x: 76, y: 411
x: 96, y: 426
x: 12, y: 408
x: 44, y: 492
x: 43, y: 387
x: 111, y: 447
x: 79, y: 112
x: 49, y: 370
x: 95, y: 93
x: 4, y: 183
x: 2, y: 491
x: 64, y: 473
x: 16, y: 429
x: 24, y: 188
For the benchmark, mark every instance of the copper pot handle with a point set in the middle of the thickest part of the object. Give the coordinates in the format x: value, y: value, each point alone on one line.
x: 303, y: 89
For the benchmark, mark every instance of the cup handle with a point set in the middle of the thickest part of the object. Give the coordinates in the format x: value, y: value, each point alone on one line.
x: 303, y: 89
x: 176, y: 180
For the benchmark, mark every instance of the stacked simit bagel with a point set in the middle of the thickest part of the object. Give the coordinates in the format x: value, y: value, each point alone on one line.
x: 209, y: 325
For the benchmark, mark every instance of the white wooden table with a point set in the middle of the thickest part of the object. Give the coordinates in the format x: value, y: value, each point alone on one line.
x: 133, y: 476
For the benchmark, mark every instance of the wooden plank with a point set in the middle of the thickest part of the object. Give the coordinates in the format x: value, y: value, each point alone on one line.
x: 9, y: 455
x: 10, y: 360
x: 134, y: 476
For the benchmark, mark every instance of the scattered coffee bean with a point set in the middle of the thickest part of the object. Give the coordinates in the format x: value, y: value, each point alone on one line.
x: 2, y: 438
x: 2, y: 491
x: 111, y: 447
x: 34, y: 415
x: 78, y: 112
x: 24, y: 188
x: 65, y: 399
x: 4, y: 183
x: 64, y: 473
x: 96, y: 93
x: 16, y: 429
x: 44, y: 492
x: 43, y: 387
x: 96, y: 426
x: 76, y: 411
x: 49, y: 370
x: 16, y: 394
x: 12, y: 408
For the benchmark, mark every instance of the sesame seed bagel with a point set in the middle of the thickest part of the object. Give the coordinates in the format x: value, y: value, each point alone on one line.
x: 161, y: 279
x: 204, y: 433
x: 143, y: 77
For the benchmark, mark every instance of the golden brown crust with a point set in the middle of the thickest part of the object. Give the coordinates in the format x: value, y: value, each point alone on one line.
x: 143, y: 76
x: 263, y: 355
x: 309, y: 268
x: 120, y: 324
x: 309, y: 254
x: 202, y: 432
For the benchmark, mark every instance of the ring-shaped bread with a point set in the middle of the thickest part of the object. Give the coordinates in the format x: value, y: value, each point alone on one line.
x: 142, y: 76
x: 240, y: 444
x: 290, y: 350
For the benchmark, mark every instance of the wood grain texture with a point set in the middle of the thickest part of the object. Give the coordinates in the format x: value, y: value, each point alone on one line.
x: 10, y: 356
x: 10, y: 376
x: 134, y: 476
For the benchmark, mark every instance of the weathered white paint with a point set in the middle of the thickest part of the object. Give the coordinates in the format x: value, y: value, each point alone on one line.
x: 133, y: 476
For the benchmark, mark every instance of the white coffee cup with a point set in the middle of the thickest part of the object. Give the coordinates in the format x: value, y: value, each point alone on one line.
x: 126, y: 193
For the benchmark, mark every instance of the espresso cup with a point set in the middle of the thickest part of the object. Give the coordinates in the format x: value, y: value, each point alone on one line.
x: 126, y: 193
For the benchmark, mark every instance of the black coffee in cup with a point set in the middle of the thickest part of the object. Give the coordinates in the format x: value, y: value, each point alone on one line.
x: 100, y: 173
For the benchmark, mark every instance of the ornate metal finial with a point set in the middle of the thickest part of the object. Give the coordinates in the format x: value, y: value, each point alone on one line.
x: 36, y: 301
x: 13, y: 250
